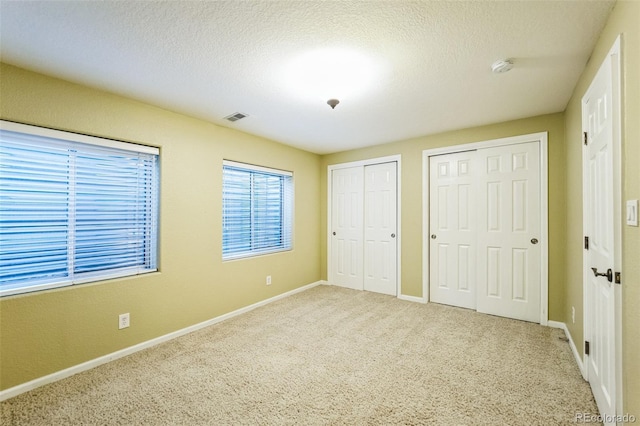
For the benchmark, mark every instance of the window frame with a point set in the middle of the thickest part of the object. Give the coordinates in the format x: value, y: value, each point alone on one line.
x: 286, y: 199
x: 69, y: 142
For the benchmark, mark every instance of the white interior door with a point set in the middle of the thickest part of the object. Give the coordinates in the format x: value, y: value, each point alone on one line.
x: 509, y: 231
x: 452, y: 251
x: 599, y: 205
x: 380, y: 247
x: 347, y: 204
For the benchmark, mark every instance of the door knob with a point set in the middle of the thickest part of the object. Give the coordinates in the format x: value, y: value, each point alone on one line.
x: 608, y: 274
x: 393, y: 235
x: 433, y: 236
x: 534, y: 241
x: 334, y: 232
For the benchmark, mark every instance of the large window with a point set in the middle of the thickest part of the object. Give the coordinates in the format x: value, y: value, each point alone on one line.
x: 74, y: 208
x: 257, y: 208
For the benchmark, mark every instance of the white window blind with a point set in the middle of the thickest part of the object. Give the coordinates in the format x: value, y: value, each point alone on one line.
x: 257, y: 206
x: 74, y: 208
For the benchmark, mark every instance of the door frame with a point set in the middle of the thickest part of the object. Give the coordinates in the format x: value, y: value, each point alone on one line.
x: 542, y: 139
x: 612, y: 59
x: 362, y: 163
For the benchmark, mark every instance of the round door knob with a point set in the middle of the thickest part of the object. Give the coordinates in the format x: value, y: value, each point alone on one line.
x: 393, y: 235
x: 334, y: 233
x: 534, y: 241
x: 433, y: 236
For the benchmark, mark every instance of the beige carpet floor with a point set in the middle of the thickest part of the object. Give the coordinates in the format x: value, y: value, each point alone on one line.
x: 329, y: 356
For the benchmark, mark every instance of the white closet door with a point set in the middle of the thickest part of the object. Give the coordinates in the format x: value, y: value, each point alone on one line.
x: 452, y: 246
x: 347, y: 227
x: 508, y: 232
x: 380, y: 247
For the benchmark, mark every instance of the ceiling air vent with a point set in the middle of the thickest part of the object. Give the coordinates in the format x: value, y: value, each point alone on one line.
x: 235, y: 117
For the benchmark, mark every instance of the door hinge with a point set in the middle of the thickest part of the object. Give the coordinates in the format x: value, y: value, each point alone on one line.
x: 586, y: 347
x: 618, y: 278
x: 586, y: 243
x: 586, y: 137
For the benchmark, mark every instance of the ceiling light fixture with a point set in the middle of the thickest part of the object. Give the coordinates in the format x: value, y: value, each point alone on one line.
x: 330, y: 73
x: 502, y: 66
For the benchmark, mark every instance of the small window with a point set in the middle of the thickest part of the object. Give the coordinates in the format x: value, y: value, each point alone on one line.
x: 257, y: 210
x: 74, y: 208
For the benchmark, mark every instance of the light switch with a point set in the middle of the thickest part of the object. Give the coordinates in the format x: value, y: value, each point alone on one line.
x: 632, y: 212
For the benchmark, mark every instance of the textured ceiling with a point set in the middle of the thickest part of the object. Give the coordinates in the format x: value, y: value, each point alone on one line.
x: 429, y: 60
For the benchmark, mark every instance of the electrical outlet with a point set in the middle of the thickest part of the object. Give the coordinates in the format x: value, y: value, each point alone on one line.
x: 123, y: 321
x: 268, y: 279
x: 573, y: 315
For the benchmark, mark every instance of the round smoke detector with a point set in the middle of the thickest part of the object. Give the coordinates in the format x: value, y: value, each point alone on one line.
x: 501, y: 66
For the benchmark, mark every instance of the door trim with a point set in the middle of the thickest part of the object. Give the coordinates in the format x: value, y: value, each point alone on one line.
x: 613, y: 56
x: 361, y: 163
x: 542, y: 139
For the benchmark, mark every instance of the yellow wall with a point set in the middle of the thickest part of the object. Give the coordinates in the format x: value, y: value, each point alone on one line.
x: 625, y: 20
x: 411, y: 196
x: 45, y: 332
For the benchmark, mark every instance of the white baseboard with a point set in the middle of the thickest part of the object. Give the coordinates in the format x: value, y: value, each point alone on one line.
x: 576, y: 354
x: 62, y: 374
